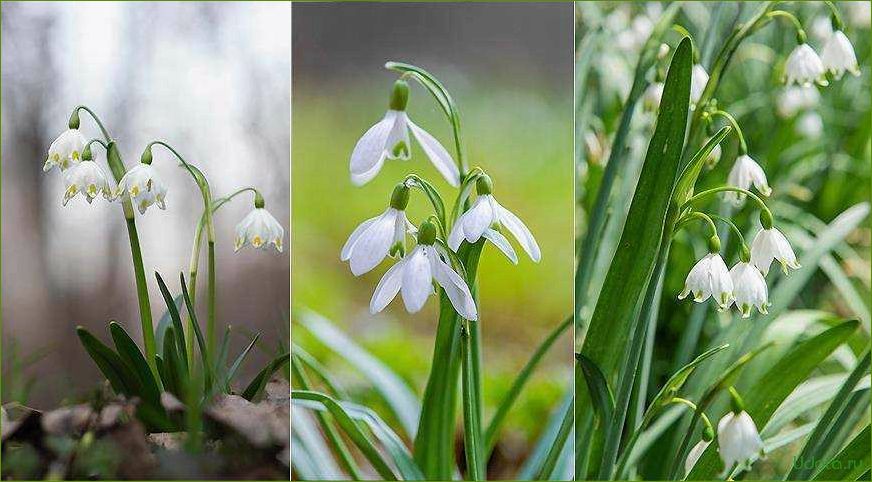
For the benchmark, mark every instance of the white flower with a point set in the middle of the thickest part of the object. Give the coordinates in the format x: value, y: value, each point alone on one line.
x: 389, y: 139
x: 414, y: 275
x: 769, y: 245
x: 698, y: 80
x: 374, y: 239
x: 745, y: 173
x: 838, y: 55
x: 144, y: 186
x: 794, y: 99
x: 810, y: 125
x: 709, y: 277
x: 804, y: 67
x: 478, y: 221
x: 260, y: 229
x: 694, y: 454
x: 652, y: 95
x: 88, y: 178
x: 738, y: 439
x: 714, y: 156
x: 65, y: 150
x: 749, y: 289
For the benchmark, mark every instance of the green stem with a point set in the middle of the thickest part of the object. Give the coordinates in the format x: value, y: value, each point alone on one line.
x: 716, y: 190
x: 800, y: 33
x: 838, y: 23
x: 697, y: 215
x: 743, y: 146
x: 96, y: 120
x: 744, y: 252
x: 472, y: 439
x: 210, y: 293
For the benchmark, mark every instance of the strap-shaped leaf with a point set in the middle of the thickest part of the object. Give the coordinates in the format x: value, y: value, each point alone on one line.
x: 129, y: 353
x: 258, y: 383
x: 851, y: 462
x: 165, y: 321
x: 176, y: 319
x: 598, y: 387
x: 107, y: 361
x: 173, y: 365
x: 238, y: 362
x: 204, y: 354
x: 684, y: 186
x: 349, y: 426
x: 764, y: 397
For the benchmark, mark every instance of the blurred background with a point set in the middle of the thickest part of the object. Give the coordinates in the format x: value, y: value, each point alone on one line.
x: 211, y: 79
x: 509, y: 69
x: 813, y: 145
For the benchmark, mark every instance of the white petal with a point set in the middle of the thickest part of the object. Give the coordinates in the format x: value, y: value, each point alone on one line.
x: 387, y: 288
x: 455, y: 287
x: 456, y: 235
x: 694, y: 455
x: 369, y: 153
x: 520, y: 231
x: 417, y: 282
x: 345, y: 255
x: 502, y: 244
x: 477, y: 219
x: 438, y: 155
x: 374, y: 244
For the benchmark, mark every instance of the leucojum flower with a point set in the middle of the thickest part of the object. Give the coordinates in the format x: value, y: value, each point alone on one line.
x: 769, y: 245
x: 698, y: 80
x: 738, y: 439
x: 484, y: 218
x: 144, y: 186
x: 88, y: 178
x: 838, y: 55
x: 259, y: 229
x: 413, y: 277
x: 804, y: 67
x: 65, y: 150
x: 749, y: 288
x: 710, y: 278
x: 374, y: 239
x: 744, y: 174
x: 389, y: 139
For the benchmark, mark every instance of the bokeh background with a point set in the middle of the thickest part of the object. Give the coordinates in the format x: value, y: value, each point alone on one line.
x: 509, y: 69
x: 212, y: 79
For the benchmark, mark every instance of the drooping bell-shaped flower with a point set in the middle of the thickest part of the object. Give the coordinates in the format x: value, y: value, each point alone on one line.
x: 259, y: 229
x: 749, y: 288
x: 375, y: 238
x: 804, y: 67
x: 698, y: 80
x: 738, y: 438
x: 769, y: 245
x: 485, y: 214
x: 65, y: 150
x: 389, y: 139
x: 744, y: 174
x: 144, y: 186
x: 714, y: 156
x: 88, y: 178
x: 413, y: 277
x: 709, y: 277
x: 651, y: 97
x: 838, y: 56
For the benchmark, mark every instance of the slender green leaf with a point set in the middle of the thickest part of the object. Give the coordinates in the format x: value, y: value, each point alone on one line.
x: 258, y: 383
x: 349, y: 426
x: 851, y: 463
x: 472, y: 437
x: 165, y: 320
x: 231, y: 372
x: 776, y: 384
x: 107, y: 361
x: 173, y: 365
x: 204, y: 354
x: 598, y: 387
x: 177, y: 320
x: 547, y: 441
x: 129, y: 353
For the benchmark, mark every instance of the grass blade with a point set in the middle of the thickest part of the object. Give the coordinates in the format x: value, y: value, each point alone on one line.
x: 231, y: 372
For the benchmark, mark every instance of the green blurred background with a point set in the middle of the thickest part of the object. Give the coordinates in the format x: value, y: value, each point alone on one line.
x: 509, y: 69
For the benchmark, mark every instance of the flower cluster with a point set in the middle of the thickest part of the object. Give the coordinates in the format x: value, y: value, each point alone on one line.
x: 142, y: 185
x: 434, y: 260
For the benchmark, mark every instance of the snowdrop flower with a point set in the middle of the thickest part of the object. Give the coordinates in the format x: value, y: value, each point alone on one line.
x: 259, y: 229
x: 698, y: 80
x: 769, y: 244
x: 144, y: 186
x: 481, y: 218
x: 810, y: 125
x: 749, y: 288
x: 838, y: 56
x: 694, y: 454
x: 804, y: 67
x: 745, y: 173
x: 413, y: 277
x: 738, y: 438
x: 389, y: 139
x: 377, y: 237
x: 794, y: 99
x: 709, y: 277
x: 65, y: 150
x: 653, y: 94
x: 88, y: 178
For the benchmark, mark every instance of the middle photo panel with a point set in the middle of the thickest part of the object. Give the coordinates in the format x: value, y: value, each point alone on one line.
x: 432, y: 241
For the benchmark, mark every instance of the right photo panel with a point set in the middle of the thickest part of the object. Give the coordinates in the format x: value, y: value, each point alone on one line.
x: 722, y: 232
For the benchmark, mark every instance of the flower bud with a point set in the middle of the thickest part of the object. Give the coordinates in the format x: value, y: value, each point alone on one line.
x: 86, y: 153
x: 400, y: 197
x: 258, y: 200
x: 400, y: 95
x: 427, y: 233
x: 74, y: 119
x: 484, y: 185
x: 766, y: 219
x: 146, y: 156
x: 714, y: 244
x: 708, y: 433
x: 736, y: 403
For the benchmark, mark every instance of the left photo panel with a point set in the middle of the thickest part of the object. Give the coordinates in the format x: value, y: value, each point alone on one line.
x: 145, y: 235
